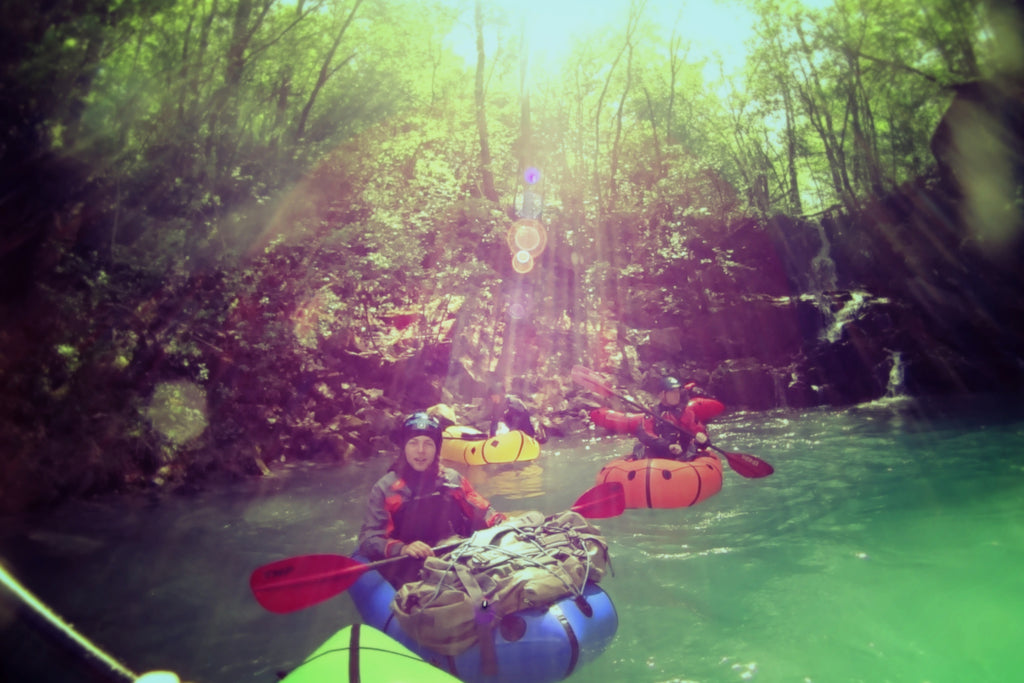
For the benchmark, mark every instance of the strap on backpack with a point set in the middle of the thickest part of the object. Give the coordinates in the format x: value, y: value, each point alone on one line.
x: 484, y: 620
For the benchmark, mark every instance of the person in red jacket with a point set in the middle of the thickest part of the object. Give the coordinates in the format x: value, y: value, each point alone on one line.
x: 660, y: 440
x: 418, y: 503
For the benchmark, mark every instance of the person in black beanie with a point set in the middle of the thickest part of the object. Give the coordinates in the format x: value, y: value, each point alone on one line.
x: 418, y: 503
x: 507, y: 412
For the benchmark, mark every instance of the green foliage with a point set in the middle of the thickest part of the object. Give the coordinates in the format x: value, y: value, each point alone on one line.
x: 229, y: 195
x: 864, y: 82
x: 198, y: 111
x: 190, y: 115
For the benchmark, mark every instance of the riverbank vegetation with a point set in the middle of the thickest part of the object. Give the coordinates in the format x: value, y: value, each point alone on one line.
x: 245, y: 231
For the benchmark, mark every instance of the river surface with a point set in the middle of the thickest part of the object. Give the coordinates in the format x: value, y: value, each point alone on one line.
x: 887, y: 546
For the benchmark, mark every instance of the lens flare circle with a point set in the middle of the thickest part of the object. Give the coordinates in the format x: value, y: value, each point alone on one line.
x: 527, y: 234
x: 522, y: 262
x: 527, y: 237
x: 531, y: 175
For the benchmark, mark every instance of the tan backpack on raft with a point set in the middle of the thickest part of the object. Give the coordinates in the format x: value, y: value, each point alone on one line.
x: 528, y: 561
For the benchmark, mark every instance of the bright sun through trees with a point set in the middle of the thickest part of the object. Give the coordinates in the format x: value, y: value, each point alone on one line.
x: 717, y: 30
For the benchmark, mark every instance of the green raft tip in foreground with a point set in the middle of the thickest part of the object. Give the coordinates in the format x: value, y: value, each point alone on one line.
x: 362, y: 653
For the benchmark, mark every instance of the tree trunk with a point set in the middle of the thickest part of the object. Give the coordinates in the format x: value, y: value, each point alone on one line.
x: 820, y: 115
x: 486, y: 175
x: 325, y: 73
x: 865, y: 137
x: 613, y: 187
x: 658, y: 160
x: 526, y: 152
x: 795, y: 203
x: 674, y: 64
x: 634, y: 15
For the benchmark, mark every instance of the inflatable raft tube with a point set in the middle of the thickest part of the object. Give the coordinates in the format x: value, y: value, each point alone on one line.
x: 470, y: 446
x: 362, y: 653
x: 705, y: 408
x: 531, y: 646
x: 616, y: 422
x: 626, y: 423
x: 663, y: 483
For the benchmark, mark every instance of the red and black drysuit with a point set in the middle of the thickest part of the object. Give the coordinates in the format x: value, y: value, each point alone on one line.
x: 655, y: 436
x: 407, y: 506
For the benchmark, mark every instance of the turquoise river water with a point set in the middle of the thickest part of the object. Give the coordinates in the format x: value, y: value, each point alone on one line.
x: 887, y: 546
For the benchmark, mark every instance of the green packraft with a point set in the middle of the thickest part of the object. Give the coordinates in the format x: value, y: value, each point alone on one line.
x: 528, y: 561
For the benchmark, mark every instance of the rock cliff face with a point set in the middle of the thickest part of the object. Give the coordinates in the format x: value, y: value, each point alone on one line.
x: 902, y: 297
x: 919, y: 292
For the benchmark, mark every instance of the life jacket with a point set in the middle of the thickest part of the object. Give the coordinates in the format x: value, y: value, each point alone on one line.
x: 682, y: 416
x: 451, y: 508
x: 431, y: 518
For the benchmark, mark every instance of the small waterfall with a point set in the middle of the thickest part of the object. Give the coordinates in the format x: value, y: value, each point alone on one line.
x: 779, y: 387
x: 823, y: 268
x: 894, y: 388
x: 821, y: 280
x: 834, y: 330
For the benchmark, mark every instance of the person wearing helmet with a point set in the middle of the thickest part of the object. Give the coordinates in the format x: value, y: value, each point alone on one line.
x: 418, y: 503
x: 660, y: 440
x: 508, y: 413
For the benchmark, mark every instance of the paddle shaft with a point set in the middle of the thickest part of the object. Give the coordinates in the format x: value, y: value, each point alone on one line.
x: 299, y: 582
x: 744, y: 464
x: 47, y: 623
x: 662, y: 420
x: 356, y: 569
x: 593, y: 501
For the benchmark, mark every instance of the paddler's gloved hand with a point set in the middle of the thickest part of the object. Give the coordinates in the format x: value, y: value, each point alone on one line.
x: 702, y: 440
x: 418, y: 549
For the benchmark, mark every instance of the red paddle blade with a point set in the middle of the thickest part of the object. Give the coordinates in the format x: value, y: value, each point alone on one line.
x: 747, y: 465
x: 590, y: 380
x: 299, y: 582
x: 602, y: 501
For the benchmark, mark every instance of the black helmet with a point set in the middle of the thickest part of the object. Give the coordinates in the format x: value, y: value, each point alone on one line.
x: 670, y: 383
x: 420, y: 424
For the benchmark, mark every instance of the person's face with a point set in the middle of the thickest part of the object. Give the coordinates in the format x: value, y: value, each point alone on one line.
x: 670, y: 397
x: 496, y: 398
x: 420, y: 452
